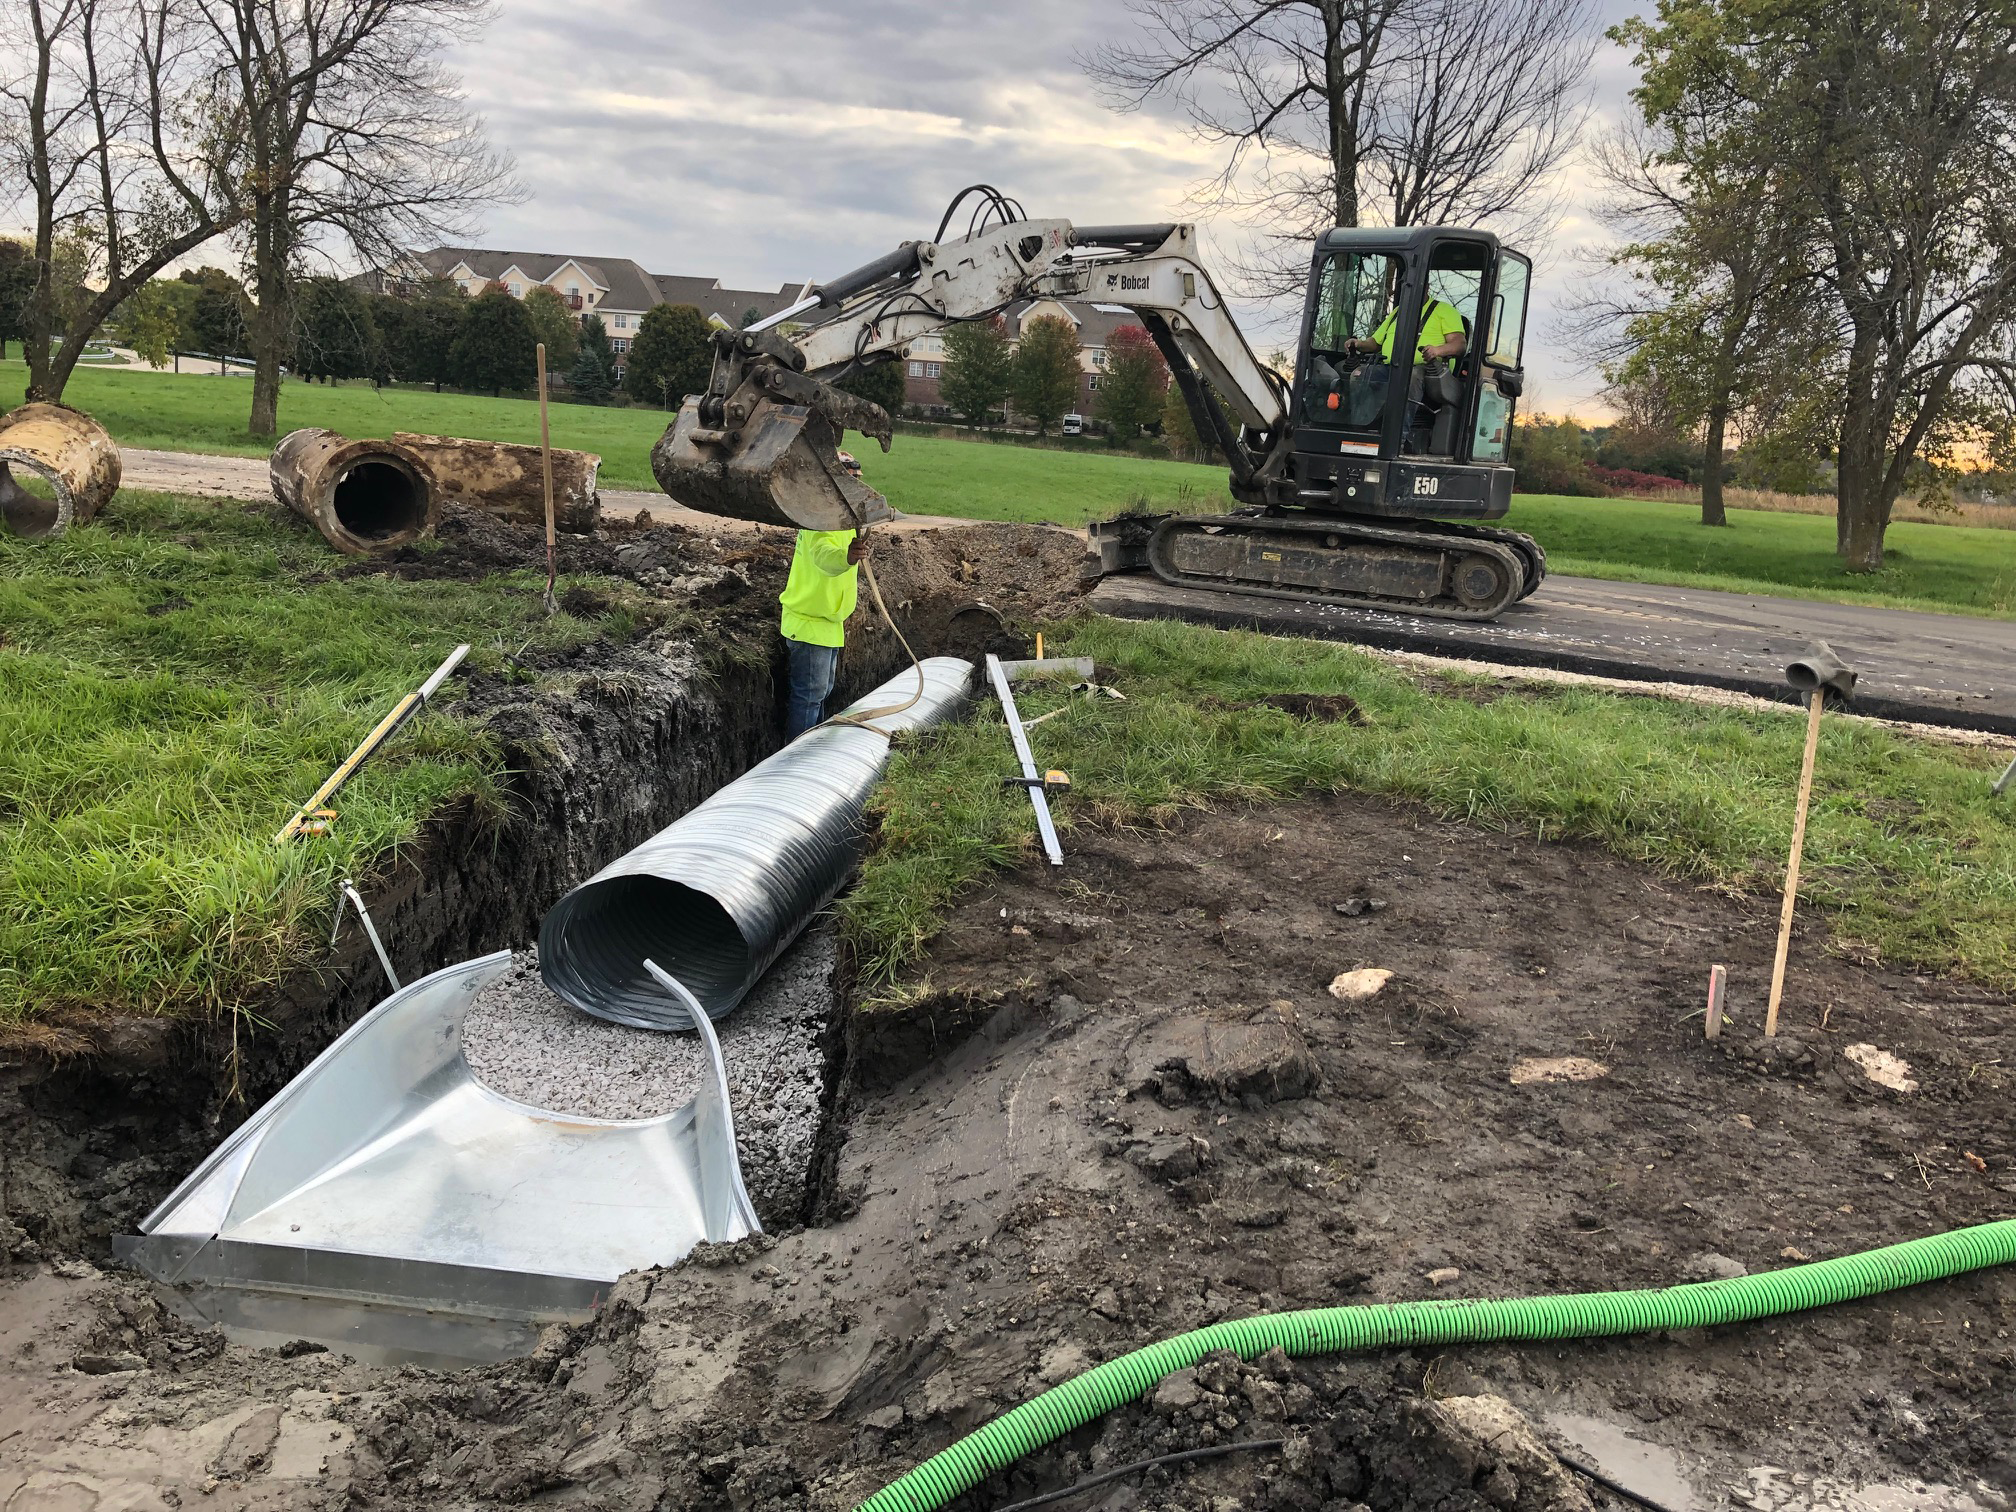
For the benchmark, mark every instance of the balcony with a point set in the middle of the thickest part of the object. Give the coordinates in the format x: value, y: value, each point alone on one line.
x: 573, y: 301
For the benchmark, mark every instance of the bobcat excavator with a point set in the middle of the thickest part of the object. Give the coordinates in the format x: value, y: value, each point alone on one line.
x: 1352, y: 476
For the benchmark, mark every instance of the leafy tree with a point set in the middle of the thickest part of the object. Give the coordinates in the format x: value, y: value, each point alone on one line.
x: 334, y: 333
x: 881, y: 383
x: 216, y: 318
x: 1133, y: 385
x: 979, y: 362
x: 671, y: 357
x: 1876, y: 140
x: 1548, y: 457
x: 152, y: 320
x: 1045, y: 379
x: 593, y: 376
x: 554, y: 324
x: 493, y: 348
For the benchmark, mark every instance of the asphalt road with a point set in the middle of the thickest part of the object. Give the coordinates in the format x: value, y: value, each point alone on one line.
x: 1940, y: 669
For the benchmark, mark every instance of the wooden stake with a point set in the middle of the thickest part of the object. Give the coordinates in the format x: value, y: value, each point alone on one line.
x: 1792, y: 864
x: 1718, y: 982
x: 546, y: 478
x: 1039, y: 645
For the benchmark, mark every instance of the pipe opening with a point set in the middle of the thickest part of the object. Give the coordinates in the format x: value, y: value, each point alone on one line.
x: 31, y: 504
x: 375, y: 501
x: 610, y: 929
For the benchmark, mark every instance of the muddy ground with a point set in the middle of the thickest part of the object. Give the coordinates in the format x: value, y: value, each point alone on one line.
x: 1128, y: 1106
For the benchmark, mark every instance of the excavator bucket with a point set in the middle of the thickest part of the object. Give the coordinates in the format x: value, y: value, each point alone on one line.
x: 781, y: 467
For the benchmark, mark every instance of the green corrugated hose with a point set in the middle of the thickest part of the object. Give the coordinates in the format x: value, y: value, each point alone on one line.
x: 1327, y: 1330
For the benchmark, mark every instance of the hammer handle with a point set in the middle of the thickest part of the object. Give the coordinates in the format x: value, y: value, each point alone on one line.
x: 1792, y: 865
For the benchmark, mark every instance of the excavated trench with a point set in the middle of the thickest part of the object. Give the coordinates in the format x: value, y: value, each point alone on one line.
x: 603, y: 749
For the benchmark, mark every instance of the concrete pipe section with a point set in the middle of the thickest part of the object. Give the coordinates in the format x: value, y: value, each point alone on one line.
x: 58, y: 468
x: 716, y: 896
x: 365, y: 497
x: 505, y: 480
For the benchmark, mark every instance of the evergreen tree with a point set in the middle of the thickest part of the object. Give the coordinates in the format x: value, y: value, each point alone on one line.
x: 1132, y: 387
x: 1179, y: 431
x: 671, y: 357
x: 554, y: 324
x: 420, y: 338
x: 493, y: 348
x: 17, y: 279
x: 979, y: 363
x: 593, y: 376
x: 334, y: 334
x: 1046, y: 372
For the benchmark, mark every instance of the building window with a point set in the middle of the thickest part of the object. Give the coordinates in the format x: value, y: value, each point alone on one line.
x: 1099, y: 357
x: 517, y: 291
x: 916, y: 370
x: 1091, y: 381
x: 933, y: 369
x: 622, y: 322
x: 573, y: 288
x: 619, y: 346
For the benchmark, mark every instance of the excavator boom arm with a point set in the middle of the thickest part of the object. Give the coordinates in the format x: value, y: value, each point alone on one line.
x: 762, y: 442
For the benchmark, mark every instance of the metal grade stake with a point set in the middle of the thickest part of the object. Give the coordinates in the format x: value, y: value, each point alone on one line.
x: 387, y: 726
x: 2002, y: 782
x: 356, y: 900
x: 546, y: 478
x: 1817, y: 698
x: 1031, y: 778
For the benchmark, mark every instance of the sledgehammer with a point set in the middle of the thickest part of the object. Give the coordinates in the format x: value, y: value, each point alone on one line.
x: 1816, y: 674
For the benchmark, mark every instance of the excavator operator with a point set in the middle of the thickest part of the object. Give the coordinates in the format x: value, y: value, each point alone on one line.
x: 1441, y: 336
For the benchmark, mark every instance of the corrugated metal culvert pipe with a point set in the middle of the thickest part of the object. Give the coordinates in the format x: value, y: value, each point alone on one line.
x: 715, y: 897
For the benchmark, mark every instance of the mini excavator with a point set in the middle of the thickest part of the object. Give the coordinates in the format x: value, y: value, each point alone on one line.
x: 1359, y: 479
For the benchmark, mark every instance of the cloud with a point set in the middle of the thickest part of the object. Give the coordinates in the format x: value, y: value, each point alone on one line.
x: 765, y: 144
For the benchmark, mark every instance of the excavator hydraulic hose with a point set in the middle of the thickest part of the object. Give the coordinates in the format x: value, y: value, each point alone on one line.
x: 1329, y: 1330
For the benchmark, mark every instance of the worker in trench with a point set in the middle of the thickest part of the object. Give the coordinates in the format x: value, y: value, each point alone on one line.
x: 818, y: 597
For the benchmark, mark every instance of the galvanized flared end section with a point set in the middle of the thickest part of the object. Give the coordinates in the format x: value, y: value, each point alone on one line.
x: 778, y: 468
x: 715, y: 897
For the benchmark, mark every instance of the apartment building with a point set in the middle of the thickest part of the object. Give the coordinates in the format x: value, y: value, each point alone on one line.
x: 615, y: 288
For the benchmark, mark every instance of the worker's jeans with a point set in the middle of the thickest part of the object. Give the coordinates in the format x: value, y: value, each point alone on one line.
x: 812, y: 670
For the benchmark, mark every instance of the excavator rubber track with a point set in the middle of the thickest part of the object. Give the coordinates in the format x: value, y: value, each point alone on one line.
x: 1435, y: 569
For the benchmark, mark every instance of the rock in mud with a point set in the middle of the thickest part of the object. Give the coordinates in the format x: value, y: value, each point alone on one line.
x: 1244, y: 1053
x: 1510, y: 1466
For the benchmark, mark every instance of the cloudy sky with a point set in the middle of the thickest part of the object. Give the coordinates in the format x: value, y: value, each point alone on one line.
x: 784, y: 140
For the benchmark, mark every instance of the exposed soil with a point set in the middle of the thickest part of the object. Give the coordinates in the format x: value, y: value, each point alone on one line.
x: 1129, y: 1106
x: 604, y: 744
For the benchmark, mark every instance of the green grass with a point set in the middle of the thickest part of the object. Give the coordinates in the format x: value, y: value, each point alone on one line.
x: 1965, y: 568
x: 1906, y: 851
x: 1951, y: 568
x: 174, y: 677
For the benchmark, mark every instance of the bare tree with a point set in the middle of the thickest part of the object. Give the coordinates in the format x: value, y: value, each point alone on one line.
x: 91, y: 124
x: 1339, y: 111
x: 344, y: 132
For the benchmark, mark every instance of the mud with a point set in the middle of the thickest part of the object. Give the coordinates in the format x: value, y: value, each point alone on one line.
x: 1129, y: 1106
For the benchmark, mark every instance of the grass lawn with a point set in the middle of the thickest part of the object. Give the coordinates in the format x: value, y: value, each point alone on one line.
x: 1906, y: 850
x: 170, y: 687
x: 1957, y: 569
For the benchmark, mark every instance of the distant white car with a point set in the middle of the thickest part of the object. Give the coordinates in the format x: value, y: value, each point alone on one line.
x: 1074, y: 425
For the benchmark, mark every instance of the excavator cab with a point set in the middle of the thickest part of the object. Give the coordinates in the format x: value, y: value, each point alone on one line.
x: 1377, y: 434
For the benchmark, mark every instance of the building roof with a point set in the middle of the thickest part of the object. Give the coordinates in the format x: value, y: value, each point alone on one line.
x: 623, y: 283
x: 1096, y: 322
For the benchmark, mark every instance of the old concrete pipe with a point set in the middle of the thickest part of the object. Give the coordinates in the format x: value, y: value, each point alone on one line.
x: 70, y: 452
x: 364, y: 496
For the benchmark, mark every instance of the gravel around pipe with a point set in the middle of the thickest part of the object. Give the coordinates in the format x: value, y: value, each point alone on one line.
x: 1328, y: 1330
